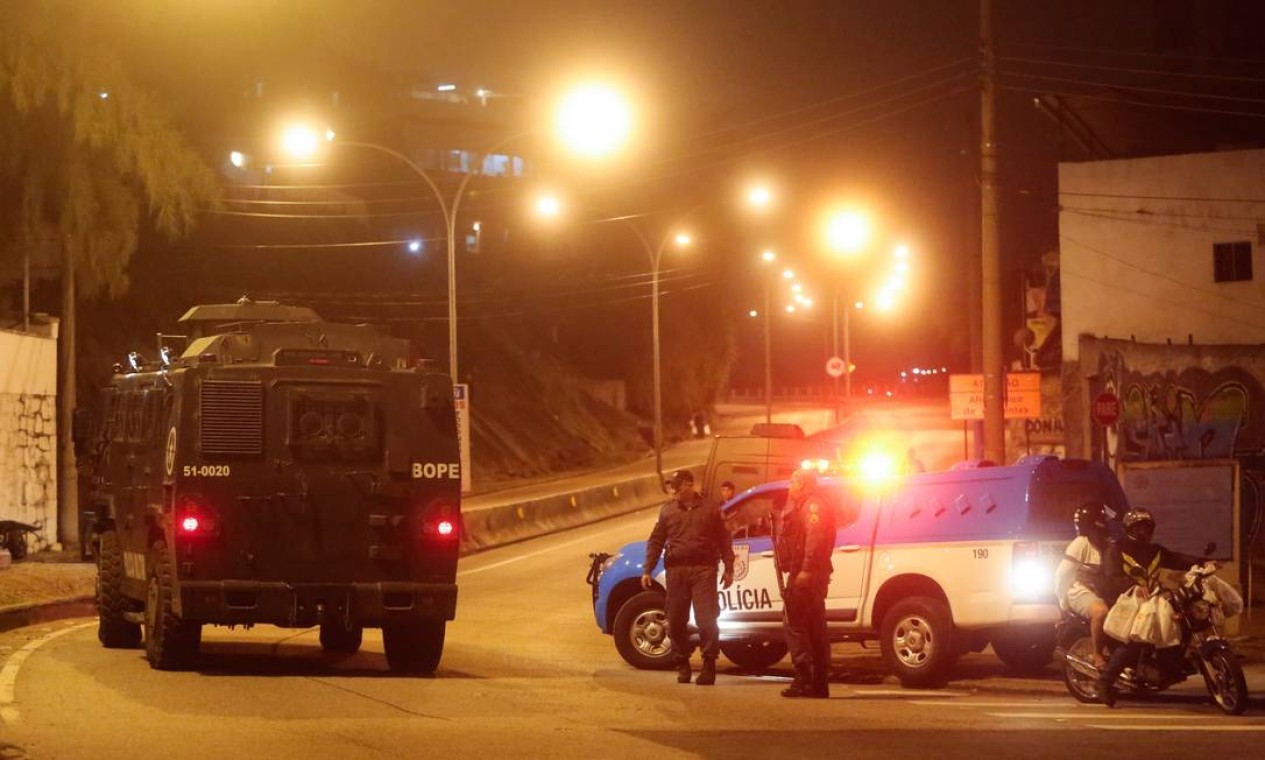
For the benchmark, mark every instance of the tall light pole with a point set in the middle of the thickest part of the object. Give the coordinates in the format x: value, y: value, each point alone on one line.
x: 768, y: 257
x: 846, y: 234
x: 654, y: 255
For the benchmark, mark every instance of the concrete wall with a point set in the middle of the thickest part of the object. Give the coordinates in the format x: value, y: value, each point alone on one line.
x: 28, y: 431
x: 1136, y: 243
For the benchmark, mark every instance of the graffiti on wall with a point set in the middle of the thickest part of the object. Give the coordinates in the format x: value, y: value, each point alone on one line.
x: 1191, y: 414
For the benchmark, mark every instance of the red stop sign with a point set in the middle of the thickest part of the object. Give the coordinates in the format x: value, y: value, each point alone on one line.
x: 1106, y: 409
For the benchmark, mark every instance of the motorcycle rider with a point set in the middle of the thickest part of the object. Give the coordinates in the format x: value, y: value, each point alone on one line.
x: 1079, y: 577
x: 1135, y: 561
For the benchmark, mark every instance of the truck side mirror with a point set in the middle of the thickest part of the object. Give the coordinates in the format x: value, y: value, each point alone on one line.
x: 81, y: 428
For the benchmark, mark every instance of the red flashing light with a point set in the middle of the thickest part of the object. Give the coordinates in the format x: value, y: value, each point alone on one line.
x: 190, y: 524
x: 319, y: 360
x: 445, y: 528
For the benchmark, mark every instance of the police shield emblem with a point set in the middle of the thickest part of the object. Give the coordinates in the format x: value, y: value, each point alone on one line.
x: 742, y: 555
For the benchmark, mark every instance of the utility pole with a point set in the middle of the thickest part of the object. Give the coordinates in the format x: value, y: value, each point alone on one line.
x: 68, y: 503
x: 990, y: 254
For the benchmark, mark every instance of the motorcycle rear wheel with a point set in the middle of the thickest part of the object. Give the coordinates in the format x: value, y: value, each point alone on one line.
x: 1226, y: 685
x: 1083, y: 687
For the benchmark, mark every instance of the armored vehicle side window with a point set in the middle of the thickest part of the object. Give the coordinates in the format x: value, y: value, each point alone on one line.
x: 149, y: 419
x: 135, y: 408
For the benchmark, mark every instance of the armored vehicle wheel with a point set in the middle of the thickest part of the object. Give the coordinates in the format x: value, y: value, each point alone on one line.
x: 170, y: 643
x: 112, y: 630
x: 917, y: 641
x: 413, y: 646
x: 1025, y: 649
x: 641, y: 632
x: 753, y: 655
x: 337, y: 638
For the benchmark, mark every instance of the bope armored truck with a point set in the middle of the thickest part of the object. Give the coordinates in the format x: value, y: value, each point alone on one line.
x: 280, y: 469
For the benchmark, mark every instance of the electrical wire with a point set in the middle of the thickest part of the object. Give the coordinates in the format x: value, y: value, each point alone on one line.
x: 1136, y: 53
x: 1186, y: 198
x: 1135, y: 88
x: 1142, y: 103
x: 1133, y: 219
x: 1124, y: 70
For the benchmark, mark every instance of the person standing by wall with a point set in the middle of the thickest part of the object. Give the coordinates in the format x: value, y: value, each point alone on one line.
x: 691, y: 535
x: 804, y: 537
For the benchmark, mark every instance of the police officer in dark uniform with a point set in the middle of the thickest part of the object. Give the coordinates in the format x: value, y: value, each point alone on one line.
x: 691, y: 534
x: 804, y: 533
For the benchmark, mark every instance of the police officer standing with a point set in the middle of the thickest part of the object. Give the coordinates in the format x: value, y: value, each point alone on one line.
x: 692, y: 536
x: 804, y: 535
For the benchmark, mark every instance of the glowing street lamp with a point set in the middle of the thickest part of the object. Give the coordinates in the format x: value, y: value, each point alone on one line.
x: 548, y: 206
x: 592, y: 121
x: 847, y: 232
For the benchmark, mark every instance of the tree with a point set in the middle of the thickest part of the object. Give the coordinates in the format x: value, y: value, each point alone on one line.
x: 82, y: 151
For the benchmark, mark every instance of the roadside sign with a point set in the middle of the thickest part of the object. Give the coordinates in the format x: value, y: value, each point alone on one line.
x: 835, y: 367
x: 1022, y: 399
x: 1106, y: 408
x: 461, y: 403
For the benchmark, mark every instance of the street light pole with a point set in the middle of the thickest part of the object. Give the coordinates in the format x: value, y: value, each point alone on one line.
x: 449, y: 210
x: 768, y: 351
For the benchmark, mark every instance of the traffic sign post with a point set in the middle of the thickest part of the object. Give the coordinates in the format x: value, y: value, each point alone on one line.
x: 835, y: 367
x: 1106, y: 409
x: 1023, y: 396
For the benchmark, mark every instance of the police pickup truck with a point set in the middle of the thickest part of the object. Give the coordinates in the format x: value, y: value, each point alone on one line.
x: 932, y: 565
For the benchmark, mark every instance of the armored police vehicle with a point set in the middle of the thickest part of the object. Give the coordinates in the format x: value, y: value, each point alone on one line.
x: 931, y: 566
x: 280, y: 470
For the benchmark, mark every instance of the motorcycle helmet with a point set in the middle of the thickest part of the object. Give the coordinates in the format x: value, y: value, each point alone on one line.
x: 1090, y: 519
x: 1139, y: 524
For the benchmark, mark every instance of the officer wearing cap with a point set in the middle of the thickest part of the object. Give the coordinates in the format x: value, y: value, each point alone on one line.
x: 804, y: 537
x: 691, y: 535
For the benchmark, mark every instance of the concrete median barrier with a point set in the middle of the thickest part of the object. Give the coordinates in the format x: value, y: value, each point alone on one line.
x: 507, y: 523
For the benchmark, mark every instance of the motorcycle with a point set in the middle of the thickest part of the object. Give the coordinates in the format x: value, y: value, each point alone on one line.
x: 1198, y: 611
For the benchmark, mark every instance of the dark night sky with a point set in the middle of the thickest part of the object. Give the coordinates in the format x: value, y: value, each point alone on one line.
x: 810, y: 95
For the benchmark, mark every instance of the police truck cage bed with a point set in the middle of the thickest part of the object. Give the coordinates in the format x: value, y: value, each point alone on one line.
x: 281, y: 470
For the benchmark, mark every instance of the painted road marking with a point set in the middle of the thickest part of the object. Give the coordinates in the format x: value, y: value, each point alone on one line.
x: 9, y: 675
x: 1255, y: 727
x: 1097, y: 715
x: 941, y: 702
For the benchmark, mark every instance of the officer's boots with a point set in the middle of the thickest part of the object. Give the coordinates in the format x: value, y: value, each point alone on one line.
x: 802, y: 685
x: 820, y: 688
x: 683, y: 672
x: 707, y: 676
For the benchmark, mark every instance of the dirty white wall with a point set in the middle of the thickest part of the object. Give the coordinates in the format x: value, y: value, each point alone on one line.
x: 28, y: 430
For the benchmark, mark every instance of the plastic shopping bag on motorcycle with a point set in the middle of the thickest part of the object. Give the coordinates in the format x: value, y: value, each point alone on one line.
x: 1155, y: 623
x: 1119, y: 622
x: 1218, y: 592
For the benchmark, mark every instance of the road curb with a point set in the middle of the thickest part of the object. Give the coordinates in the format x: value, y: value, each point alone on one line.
x: 22, y: 615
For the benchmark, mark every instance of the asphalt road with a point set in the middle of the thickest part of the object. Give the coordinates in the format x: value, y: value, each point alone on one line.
x: 527, y: 674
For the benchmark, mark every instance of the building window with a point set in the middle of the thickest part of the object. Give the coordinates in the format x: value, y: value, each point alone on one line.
x: 1232, y: 262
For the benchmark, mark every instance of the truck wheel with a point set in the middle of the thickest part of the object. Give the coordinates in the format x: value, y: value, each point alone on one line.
x: 413, y: 646
x: 641, y: 632
x: 1025, y: 649
x: 170, y: 643
x: 112, y: 630
x: 337, y: 638
x: 755, y: 656
x: 917, y: 641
